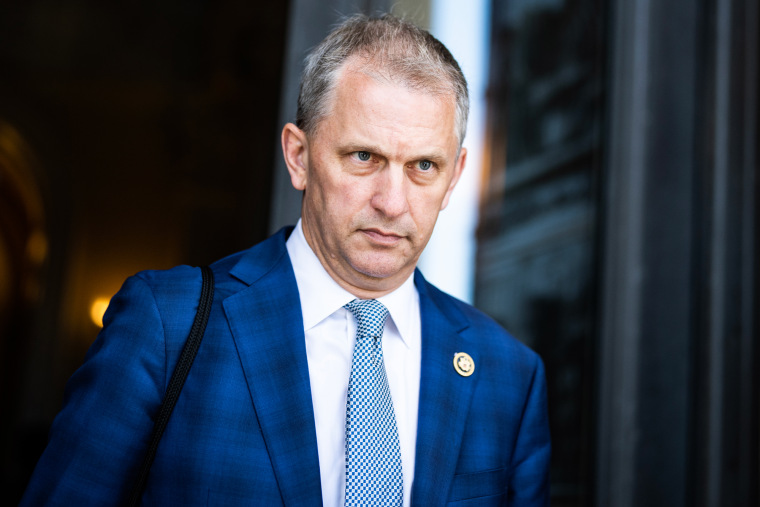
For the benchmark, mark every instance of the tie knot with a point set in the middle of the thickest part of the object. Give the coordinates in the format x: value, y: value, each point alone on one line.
x: 370, y: 316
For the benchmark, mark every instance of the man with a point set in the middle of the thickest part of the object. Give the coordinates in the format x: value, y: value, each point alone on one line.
x: 325, y: 347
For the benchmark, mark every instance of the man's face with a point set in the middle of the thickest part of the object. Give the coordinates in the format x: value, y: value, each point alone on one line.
x: 375, y: 174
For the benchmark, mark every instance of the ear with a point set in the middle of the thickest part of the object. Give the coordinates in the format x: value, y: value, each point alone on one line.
x: 458, y: 168
x: 295, y: 150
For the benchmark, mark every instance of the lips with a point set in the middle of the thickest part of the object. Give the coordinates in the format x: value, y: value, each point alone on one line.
x: 381, y: 237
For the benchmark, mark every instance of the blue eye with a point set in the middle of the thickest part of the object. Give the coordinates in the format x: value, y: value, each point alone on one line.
x: 364, y: 156
x: 425, y: 165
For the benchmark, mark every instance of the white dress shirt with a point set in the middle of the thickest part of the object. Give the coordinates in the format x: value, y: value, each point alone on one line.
x: 330, y: 336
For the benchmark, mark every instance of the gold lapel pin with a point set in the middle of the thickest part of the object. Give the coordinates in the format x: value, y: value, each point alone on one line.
x: 463, y: 364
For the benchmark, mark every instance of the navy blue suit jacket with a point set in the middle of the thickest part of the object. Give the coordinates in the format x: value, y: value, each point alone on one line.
x: 243, y: 429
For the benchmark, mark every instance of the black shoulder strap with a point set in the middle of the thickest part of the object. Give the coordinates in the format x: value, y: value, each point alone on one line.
x: 177, y: 381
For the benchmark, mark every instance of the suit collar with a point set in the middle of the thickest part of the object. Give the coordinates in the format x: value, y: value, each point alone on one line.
x: 266, y: 324
x: 262, y: 258
x: 442, y: 304
x: 444, y: 395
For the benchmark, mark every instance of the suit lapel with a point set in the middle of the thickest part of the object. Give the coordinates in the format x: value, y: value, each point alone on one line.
x: 267, y: 328
x: 444, y: 397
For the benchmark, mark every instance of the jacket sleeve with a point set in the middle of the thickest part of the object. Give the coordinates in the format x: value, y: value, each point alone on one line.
x: 98, y: 440
x: 529, y: 482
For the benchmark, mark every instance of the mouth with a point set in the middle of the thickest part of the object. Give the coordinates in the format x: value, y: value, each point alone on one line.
x: 381, y: 237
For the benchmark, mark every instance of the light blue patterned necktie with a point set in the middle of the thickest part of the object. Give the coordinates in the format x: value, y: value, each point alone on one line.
x: 373, y: 454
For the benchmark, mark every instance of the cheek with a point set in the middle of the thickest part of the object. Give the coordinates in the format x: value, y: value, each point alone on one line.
x: 341, y: 201
x: 349, y: 195
x: 340, y: 205
x: 425, y: 208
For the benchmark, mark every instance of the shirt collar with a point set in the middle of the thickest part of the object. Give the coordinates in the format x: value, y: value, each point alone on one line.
x: 321, y: 296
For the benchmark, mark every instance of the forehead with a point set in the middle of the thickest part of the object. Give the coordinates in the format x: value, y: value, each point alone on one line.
x: 366, y: 104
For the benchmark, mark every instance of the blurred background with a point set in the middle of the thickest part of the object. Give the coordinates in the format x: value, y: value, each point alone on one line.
x: 609, y: 219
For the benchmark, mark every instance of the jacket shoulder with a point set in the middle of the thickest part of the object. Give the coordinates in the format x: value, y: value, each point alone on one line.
x: 231, y: 273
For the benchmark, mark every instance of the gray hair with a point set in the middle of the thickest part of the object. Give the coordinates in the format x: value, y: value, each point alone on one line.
x: 391, y: 49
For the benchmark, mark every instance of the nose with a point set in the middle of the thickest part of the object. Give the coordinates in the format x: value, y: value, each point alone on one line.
x: 390, y: 195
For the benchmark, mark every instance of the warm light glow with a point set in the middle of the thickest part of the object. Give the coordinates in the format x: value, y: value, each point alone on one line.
x: 37, y: 247
x: 97, y: 310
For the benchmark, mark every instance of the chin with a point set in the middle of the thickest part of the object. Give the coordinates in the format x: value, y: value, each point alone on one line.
x: 378, y: 268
